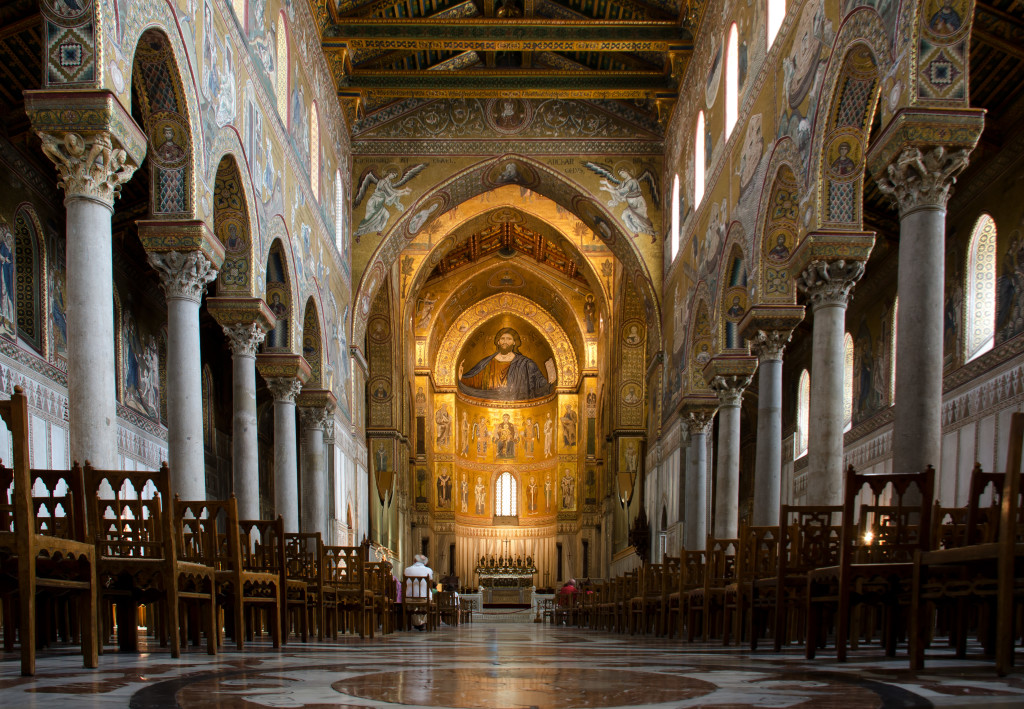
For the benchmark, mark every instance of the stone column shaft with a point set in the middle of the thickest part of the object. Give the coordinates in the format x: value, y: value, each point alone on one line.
x: 91, y: 171
x: 184, y: 276
x: 314, y: 470
x: 286, y: 467
x: 919, y: 182
x: 727, y: 476
x: 696, y: 523
x: 244, y: 339
x: 828, y: 286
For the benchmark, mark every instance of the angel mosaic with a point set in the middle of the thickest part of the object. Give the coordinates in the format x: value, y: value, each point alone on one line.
x: 625, y: 189
x: 386, y: 193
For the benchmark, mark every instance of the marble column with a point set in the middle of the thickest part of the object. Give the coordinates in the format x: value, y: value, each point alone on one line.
x: 695, y: 527
x: 286, y: 464
x: 768, y: 346
x: 333, y: 482
x: 245, y: 321
x: 244, y: 339
x: 727, y: 476
x: 92, y: 166
x: 919, y: 182
x: 827, y: 286
x: 184, y: 276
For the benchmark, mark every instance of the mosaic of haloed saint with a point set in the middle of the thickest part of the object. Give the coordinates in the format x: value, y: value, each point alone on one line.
x: 504, y: 364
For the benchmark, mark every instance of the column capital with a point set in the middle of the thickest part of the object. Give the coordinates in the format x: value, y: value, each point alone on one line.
x: 915, y: 159
x: 768, y: 329
x: 246, y: 321
x: 181, y: 236
x: 184, y: 275
x: 244, y: 339
x: 313, y: 417
x: 92, y: 140
x: 284, y: 388
x: 829, y: 282
x: 922, y: 178
x: 730, y: 389
x: 697, y: 413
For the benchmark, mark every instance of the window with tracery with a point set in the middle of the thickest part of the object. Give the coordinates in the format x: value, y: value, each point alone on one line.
x: 282, y: 69
x: 698, y: 162
x: 848, y: 381
x: 732, y: 80
x: 776, y: 14
x: 675, y: 217
x: 981, y: 289
x: 803, y: 412
x: 314, y: 152
x: 505, y: 498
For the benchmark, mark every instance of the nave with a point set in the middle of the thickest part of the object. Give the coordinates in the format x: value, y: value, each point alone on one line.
x: 507, y: 666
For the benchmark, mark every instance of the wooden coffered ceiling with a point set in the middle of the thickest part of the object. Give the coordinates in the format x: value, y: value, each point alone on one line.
x: 630, y: 51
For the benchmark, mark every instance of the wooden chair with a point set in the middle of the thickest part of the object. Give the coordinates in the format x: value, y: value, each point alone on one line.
x: 690, y: 576
x: 809, y: 538
x: 706, y: 601
x: 448, y: 608
x: 211, y: 529
x: 264, y: 550
x: 989, y: 567
x: 757, y: 558
x: 876, y: 555
x: 303, y: 558
x: 138, y: 561
x: 380, y: 584
x: 416, y: 598
x: 343, y: 570
x: 49, y: 556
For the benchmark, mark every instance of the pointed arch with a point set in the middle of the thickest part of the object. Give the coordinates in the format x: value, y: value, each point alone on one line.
x: 733, y: 301
x: 234, y: 230
x: 159, y: 88
x: 313, y: 344
x: 701, y: 341
x: 30, y: 278
x: 506, y: 495
x: 280, y: 298
x: 778, y: 214
x: 981, y: 289
x: 483, y: 177
x: 699, y: 162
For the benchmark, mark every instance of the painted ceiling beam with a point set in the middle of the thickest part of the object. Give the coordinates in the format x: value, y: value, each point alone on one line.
x: 505, y: 35
x: 482, y: 83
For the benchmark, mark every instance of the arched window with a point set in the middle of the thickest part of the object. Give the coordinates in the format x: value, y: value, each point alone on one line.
x: 848, y: 382
x: 28, y: 278
x: 981, y: 289
x: 282, y: 69
x: 698, y: 162
x: 675, y: 217
x: 314, y: 152
x: 505, y: 497
x: 803, y: 412
x: 776, y: 14
x: 732, y: 80
x: 339, y: 210
x: 892, y: 350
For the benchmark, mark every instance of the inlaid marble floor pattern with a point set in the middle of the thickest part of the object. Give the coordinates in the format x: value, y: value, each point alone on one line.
x: 503, y: 667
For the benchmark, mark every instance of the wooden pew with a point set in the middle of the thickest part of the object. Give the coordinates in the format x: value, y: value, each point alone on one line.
x: 343, y: 570
x: 757, y: 558
x: 304, y: 560
x: 50, y: 556
x: 706, y: 601
x: 263, y: 544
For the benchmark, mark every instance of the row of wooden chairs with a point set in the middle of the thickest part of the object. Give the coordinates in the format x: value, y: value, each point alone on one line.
x: 82, y: 549
x: 844, y: 574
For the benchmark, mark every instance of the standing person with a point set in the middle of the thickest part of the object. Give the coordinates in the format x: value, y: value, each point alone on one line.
x: 416, y: 589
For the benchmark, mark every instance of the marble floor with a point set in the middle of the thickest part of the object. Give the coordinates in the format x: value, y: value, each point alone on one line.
x: 514, y: 666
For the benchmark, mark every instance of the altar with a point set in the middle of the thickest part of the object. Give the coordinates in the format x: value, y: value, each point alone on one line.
x: 506, y: 581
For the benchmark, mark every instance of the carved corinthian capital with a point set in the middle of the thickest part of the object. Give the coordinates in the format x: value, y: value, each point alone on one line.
x: 244, y: 338
x: 183, y: 275
x: 89, y: 167
x: 314, y: 416
x: 284, y: 388
x: 699, y: 421
x: 922, y: 179
x: 830, y: 282
x: 768, y: 345
x: 730, y: 388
